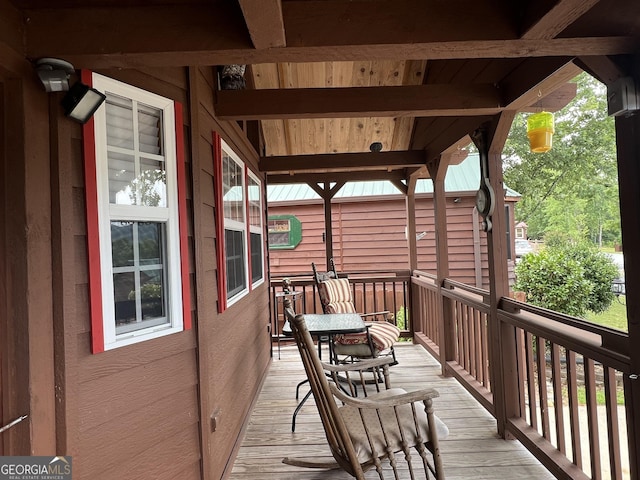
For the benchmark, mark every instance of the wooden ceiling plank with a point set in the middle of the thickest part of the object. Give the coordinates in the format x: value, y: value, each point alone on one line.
x: 557, y: 18
x: 273, y: 130
x: 409, y: 158
x: 408, y: 100
x: 265, y: 75
x: 264, y: 22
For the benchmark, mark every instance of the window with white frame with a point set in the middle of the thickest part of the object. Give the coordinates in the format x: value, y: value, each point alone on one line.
x: 242, y: 229
x: 256, y: 245
x: 235, y: 225
x: 136, y: 183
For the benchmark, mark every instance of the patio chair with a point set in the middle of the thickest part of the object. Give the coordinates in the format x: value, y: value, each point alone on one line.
x: 336, y: 296
x: 377, y: 430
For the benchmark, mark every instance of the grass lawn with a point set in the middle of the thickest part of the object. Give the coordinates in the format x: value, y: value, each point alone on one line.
x: 615, y: 317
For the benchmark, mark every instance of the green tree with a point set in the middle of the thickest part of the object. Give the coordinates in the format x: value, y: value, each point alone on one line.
x: 577, y: 177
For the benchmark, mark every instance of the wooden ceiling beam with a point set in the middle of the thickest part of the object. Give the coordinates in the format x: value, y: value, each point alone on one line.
x: 394, y: 101
x: 274, y: 179
x: 535, y: 79
x: 264, y: 22
x: 605, y: 69
x: 555, y: 101
x: 216, y: 34
x: 553, y: 21
x: 456, y: 130
x: 369, y: 160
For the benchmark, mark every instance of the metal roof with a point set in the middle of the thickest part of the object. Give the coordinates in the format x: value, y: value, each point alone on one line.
x: 464, y: 177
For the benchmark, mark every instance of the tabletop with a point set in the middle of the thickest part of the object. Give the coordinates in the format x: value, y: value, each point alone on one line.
x: 330, y: 324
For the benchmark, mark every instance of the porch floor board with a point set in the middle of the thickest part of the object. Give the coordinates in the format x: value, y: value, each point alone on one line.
x: 472, y: 449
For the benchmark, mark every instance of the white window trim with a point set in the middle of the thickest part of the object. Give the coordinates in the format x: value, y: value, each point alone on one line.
x: 107, y: 212
x: 237, y: 226
x: 257, y: 229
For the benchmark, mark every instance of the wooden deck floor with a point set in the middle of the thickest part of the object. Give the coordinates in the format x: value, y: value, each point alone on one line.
x: 472, y: 450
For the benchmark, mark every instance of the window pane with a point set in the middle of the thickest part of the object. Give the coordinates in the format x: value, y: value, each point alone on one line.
x: 121, y: 178
x: 122, y: 243
x: 279, y: 239
x: 152, y: 294
x: 150, y: 241
x: 279, y: 232
x: 139, y: 291
x: 254, y: 203
x: 233, y: 189
x: 235, y: 261
x: 256, y: 257
x: 124, y: 288
x: 151, y: 184
x: 119, y: 121
x: 149, y: 128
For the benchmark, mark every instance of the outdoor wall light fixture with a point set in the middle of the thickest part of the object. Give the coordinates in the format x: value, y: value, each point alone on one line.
x: 54, y: 74
x: 81, y: 101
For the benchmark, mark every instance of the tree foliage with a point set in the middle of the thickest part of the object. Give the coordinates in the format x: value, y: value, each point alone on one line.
x: 568, y: 278
x: 573, y: 188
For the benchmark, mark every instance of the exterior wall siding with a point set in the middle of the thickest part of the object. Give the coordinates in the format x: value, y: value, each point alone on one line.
x: 369, y: 235
x: 172, y: 407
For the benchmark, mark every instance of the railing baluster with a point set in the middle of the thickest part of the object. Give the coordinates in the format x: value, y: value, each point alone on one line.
x: 556, y: 370
x: 467, y: 340
x: 531, y: 382
x: 613, y: 429
x: 521, y: 369
x: 574, y: 416
x: 542, y: 386
x: 479, y: 365
x: 473, y: 342
x: 592, y: 418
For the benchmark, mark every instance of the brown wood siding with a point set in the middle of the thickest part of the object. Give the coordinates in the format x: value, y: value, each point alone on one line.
x: 145, y: 410
x: 369, y: 235
x: 234, y: 344
x: 123, y: 410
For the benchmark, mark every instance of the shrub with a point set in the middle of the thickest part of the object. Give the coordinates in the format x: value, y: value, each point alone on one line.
x: 571, y: 279
x: 401, y: 321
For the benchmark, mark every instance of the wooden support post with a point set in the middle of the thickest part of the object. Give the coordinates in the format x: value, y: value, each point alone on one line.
x: 447, y: 333
x: 327, y: 193
x: 628, y: 150
x: 411, y: 223
x: 502, y: 342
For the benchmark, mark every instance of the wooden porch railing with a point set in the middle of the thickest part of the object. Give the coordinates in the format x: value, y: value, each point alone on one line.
x: 572, y: 376
x: 372, y: 292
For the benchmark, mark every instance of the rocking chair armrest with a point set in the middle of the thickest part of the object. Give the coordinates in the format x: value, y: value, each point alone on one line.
x: 423, y: 395
x: 361, y: 365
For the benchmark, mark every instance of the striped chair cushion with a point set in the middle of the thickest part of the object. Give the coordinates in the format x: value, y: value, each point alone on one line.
x: 383, y: 335
x: 336, y: 295
x: 335, y: 290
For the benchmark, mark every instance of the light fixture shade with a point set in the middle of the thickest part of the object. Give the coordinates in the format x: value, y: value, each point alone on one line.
x: 81, y: 102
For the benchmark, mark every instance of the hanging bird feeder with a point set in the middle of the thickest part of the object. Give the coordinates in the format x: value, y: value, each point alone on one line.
x: 540, y: 131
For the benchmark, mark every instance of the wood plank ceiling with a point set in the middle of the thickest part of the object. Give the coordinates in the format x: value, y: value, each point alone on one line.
x: 326, y: 78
